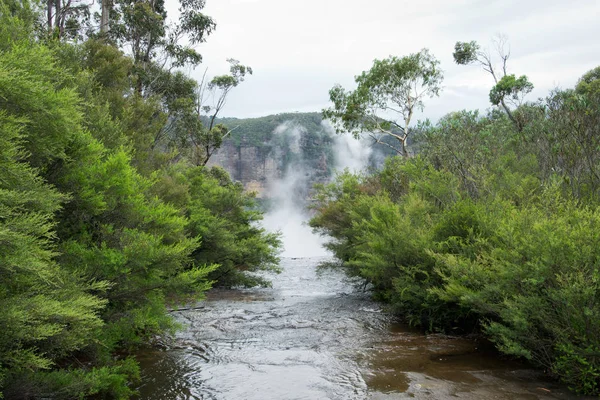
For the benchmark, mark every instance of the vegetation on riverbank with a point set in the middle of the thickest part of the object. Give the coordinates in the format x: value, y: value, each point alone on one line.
x: 493, y: 227
x: 106, y: 212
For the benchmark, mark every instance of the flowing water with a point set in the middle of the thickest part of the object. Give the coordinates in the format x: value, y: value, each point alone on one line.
x: 318, y: 336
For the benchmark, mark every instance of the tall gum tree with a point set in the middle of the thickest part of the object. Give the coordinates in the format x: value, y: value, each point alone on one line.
x: 508, y: 91
x: 386, y: 99
x: 141, y: 28
x: 211, y: 97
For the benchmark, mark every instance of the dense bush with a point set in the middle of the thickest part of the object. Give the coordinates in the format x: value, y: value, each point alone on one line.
x: 227, y: 221
x: 491, y: 228
x: 103, y: 221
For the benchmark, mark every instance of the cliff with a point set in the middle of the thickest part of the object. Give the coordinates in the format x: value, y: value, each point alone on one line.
x: 260, y: 151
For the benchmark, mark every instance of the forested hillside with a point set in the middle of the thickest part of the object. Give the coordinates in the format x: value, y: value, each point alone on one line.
x: 107, y: 214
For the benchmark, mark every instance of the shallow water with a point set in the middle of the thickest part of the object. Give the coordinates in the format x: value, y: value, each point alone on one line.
x: 317, y: 336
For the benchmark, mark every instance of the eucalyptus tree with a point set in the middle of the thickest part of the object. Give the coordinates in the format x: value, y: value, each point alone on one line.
x: 191, y: 109
x: 569, y: 139
x: 158, y: 50
x: 141, y: 28
x: 16, y: 22
x: 67, y: 18
x: 386, y: 98
x: 508, y: 91
x: 211, y: 97
x: 589, y: 83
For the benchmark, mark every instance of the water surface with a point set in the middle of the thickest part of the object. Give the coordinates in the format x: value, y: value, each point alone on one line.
x: 318, y: 336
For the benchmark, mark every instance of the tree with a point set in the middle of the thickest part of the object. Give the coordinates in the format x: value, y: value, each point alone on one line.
x: 190, y: 110
x: 589, y: 83
x: 17, y: 21
x: 91, y: 250
x: 45, y: 312
x: 182, y: 122
x: 508, y: 89
x: 65, y: 18
x: 209, y: 138
x: 571, y: 136
x: 386, y: 98
x: 226, y: 219
x: 141, y: 27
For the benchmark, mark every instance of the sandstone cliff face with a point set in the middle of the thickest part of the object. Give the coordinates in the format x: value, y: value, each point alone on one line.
x: 262, y: 152
x: 248, y: 165
x: 271, y: 152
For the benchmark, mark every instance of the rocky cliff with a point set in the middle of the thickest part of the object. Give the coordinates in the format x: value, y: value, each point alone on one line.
x: 261, y: 151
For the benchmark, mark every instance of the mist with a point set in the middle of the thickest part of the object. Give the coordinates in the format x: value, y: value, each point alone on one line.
x: 350, y: 153
x: 289, y: 194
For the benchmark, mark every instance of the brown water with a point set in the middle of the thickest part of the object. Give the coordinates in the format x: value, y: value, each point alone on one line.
x: 319, y: 337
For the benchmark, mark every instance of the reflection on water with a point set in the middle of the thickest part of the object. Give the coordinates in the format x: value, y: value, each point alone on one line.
x: 312, y: 337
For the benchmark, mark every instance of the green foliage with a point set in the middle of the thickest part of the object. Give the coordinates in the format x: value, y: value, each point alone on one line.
x: 384, y: 230
x: 104, y: 221
x: 80, y: 384
x: 392, y: 253
x: 17, y: 20
x: 99, y: 224
x: 225, y: 218
x: 508, y: 90
x: 396, y: 86
x: 237, y: 74
x: 494, y: 227
x: 142, y: 25
x: 465, y: 52
x: 462, y: 143
x: 30, y: 85
x: 534, y: 283
x: 45, y: 312
x: 510, y: 86
x: 338, y: 205
x: 589, y: 83
x: 570, y: 142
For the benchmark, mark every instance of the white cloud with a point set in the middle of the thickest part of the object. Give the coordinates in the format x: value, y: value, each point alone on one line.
x: 300, y: 49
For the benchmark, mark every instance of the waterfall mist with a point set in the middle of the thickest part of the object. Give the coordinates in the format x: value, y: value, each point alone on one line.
x: 289, y: 195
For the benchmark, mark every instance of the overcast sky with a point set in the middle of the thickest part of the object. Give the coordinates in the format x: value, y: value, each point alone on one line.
x: 300, y: 49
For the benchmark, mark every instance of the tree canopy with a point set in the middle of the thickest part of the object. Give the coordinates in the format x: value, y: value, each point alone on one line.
x: 386, y: 98
x: 508, y: 91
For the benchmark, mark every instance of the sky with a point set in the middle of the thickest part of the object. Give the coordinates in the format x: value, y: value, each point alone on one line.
x: 298, y: 50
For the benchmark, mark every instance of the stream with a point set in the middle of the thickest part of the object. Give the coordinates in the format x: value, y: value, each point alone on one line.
x: 316, y: 335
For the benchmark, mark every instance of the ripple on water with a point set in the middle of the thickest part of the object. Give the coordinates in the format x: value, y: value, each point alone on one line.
x: 315, y: 336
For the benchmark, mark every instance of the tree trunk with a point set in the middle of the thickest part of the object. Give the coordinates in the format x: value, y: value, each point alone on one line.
x: 406, y: 124
x: 104, y: 25
x: 511, y: 116
x: 57, y: 16
x: 50, y: 6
